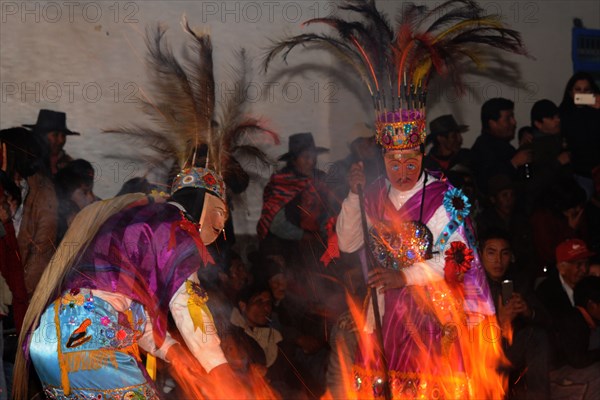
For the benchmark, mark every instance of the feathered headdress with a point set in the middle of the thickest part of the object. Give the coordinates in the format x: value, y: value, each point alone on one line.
x: 397, y: 66
x: 193, y: 134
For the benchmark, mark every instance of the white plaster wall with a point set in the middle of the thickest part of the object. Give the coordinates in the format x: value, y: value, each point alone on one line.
x: 87, y: 58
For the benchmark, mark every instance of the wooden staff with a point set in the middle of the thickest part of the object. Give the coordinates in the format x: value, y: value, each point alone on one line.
x: 370, y: 266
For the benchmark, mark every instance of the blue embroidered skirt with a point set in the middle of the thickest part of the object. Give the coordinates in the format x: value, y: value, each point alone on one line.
x: 84, y: 349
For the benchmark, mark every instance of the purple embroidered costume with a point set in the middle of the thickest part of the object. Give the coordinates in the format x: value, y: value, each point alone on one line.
x: 425, y: 322
x: 116, y: 298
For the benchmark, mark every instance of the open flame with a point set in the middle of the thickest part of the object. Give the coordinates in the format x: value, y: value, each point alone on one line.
x: 445, y: 353
x: 222, y: 383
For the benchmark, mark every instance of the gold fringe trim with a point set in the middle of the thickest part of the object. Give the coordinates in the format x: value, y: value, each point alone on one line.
x: 89, y: 360
x: 64, y: 373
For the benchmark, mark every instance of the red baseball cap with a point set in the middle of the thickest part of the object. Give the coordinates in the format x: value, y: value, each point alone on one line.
x: 572, y: 250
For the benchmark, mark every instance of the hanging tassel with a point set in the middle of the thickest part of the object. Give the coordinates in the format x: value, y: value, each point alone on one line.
x: 62, y: 364
x: 151, y: 366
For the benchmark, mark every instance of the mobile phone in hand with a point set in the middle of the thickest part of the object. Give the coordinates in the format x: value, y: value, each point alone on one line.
x: 507, y: 290
x: 587, y: 99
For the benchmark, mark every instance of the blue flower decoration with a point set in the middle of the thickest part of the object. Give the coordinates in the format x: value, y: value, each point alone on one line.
x: 457, y: 204
x: 89, y: 305
x: 109, y: 333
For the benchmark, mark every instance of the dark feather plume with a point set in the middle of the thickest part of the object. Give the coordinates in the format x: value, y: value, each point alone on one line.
x: 182, y: 103
x: 397, y: 65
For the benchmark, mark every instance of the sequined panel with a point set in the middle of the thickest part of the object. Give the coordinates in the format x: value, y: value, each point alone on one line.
x: 402, y: 246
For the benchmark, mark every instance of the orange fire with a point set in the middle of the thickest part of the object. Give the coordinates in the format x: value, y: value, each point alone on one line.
x: 222, y: 383
x: 465, y: 367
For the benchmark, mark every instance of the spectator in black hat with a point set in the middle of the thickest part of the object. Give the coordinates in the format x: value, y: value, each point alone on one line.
x: 295, y: 211
x: 51, y: 129
x: 445, y: 134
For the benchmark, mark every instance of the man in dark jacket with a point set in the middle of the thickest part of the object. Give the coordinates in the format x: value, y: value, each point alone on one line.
x: 521, y: 315
x: 556, y: 292
x: 492, y: 152
x: 579, y: 338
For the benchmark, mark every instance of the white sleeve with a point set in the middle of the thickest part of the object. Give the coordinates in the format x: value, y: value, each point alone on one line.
x: 432, y: 270
x: 348, y: 226
x: 206, y: 347
x: 147, y: 342
x: 121, y: 303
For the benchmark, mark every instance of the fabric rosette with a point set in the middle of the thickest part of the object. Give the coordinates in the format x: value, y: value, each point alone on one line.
x: 457, y: 262
x: 457, y: 204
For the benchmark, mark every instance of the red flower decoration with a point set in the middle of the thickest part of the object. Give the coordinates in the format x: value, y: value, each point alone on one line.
x: 458, y: 261
x: 209, y: 179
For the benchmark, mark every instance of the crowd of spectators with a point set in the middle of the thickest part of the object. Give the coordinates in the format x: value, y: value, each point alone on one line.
x: 282, y: 311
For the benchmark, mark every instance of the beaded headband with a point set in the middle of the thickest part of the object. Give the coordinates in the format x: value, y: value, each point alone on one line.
x: 401, y: 130
x: 201, y: 178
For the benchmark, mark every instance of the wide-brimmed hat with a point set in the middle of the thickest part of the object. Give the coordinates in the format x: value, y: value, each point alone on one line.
x: 298, y: 142
x: 444, y: 125
x: 51, y: 121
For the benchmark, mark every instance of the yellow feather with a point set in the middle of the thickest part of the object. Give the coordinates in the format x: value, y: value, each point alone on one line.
x: 421, y: 70
x: 490, y: 22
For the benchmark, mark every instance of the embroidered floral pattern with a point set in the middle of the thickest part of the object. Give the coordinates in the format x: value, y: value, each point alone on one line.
x: 73, y: 298
x: 110, y: 331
